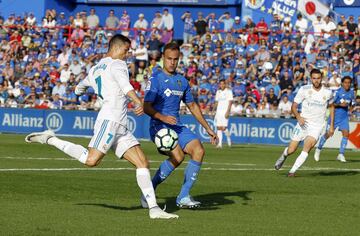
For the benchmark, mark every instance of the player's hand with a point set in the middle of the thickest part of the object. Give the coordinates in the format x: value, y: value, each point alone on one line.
x: 171, y: 120
x: 301, y: 121
x: 227, y: 114
x: 331, y: 131
x: 213, y: 137
x: 138, y: 110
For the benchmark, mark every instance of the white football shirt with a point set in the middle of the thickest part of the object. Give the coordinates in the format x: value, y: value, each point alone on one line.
x: 110, y: 80
x: 223, y: 97
x: 314, y: 103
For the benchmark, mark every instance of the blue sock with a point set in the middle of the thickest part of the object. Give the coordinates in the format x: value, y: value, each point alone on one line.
x: 162, y: 173
x: 191, y: 173
x: 343, y: 144
x: 322, y: 142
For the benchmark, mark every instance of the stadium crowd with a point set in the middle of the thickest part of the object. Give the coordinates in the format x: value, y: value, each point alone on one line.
x: 264, y: 63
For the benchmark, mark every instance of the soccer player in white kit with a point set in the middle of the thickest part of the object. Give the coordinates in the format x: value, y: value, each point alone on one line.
x: 315, y: 100
x: 223, y: 102
x: 110, y: 80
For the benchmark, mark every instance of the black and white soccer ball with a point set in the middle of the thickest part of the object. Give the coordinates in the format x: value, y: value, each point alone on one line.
x: 166, y: 139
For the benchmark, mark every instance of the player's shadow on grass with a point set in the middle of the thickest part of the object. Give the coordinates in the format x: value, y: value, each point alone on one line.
x: 336, y: 173
x: 213, y: 201
x: 111, y: 206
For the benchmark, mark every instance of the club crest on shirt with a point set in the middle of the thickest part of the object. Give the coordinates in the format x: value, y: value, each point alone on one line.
x: 148, y: 85
x: 179, y: 83
x: 324, y: 98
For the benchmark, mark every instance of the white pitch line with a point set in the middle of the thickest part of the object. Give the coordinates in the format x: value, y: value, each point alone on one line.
x: 70, y: 159
x: 131, y: 169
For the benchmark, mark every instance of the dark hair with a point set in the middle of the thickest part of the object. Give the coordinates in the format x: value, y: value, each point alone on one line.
x: 345, y: 78
x: 118, y: 39
x: 171, y: 46
x: 315, y: 71
x: 222, y: 80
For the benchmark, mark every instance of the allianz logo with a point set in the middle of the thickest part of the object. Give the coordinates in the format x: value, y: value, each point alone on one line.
x: 53, y: 121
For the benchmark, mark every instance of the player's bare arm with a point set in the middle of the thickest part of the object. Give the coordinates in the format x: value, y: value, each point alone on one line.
x: 138, y: 104
x: 294, y: 110
x: 150, y: 111
x: 195, y: 110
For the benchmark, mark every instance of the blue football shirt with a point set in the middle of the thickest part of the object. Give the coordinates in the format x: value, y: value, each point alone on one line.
x: 165, y: 92
x: 341, y: 95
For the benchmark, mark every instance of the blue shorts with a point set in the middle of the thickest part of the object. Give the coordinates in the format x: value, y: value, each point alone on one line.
x: 341, y: 124
x: 185, y: 134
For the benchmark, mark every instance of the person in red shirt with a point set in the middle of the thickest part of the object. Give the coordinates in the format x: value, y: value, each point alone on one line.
x: 262, y: 28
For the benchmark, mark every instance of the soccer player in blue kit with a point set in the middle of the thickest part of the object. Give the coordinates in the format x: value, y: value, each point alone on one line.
x: 343, y: 100
x: 165, y: 91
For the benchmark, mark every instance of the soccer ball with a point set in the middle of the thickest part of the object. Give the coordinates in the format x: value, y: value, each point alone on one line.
x: 166, y: 139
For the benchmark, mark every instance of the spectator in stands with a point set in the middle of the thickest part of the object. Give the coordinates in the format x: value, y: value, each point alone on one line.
x: 156, y: 22
x: 92, y: 20
x: 301, y: 23
x: 188, y: 27
x: 31, y: 20
x: 112, y: 22
x: 78, y: 21
x: 228, y: 21
x: 213, y: 23
x: 78, y: 35
x: 141, y: 24
x: 124, y: 23
x: 154, y: 46
x: 328, y: 26
x: 262, y: 27
x: 167, y: 20
x: 351, y: 26
x: 200, y: 25
x: 286, y: 25
x: 285, y: 107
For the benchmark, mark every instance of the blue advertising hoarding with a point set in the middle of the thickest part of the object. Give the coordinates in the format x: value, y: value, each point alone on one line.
x: 81, y: 123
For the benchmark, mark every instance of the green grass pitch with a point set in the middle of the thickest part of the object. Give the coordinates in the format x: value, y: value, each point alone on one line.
x: 43, y: 192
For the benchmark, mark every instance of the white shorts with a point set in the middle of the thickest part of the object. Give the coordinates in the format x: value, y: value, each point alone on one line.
x: 313, y: 130
x: 109, y: 134
x: 220, y: 119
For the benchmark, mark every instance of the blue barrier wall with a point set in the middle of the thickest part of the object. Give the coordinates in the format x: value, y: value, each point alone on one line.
x: 80, y: 123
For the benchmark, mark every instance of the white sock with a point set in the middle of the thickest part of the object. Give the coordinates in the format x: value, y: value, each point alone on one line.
x: 299, y: 161
x: 227, y: 134
x: 220, y: 135
x: 285, y: 153
x: 144, y: 181
x: 74, y: 150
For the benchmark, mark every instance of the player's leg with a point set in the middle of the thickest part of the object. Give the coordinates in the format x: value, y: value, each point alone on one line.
x: 290, y: 149
x: 344, y: 127
x: 128, y: 147
x: 219, y: 132
x: 89, y: 157
x: 176, y: 157
x: 322, y: 142
x: 309, y: 143
x: 196, y: 150
x: 227, y: 134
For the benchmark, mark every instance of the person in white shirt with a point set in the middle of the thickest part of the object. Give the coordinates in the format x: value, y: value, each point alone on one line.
x: 167, y: 20
x: 223, y: 102
x: 236, y: 108
x: 110, y: 80
x: 65, y: 73
x: 31, y: 20
x: 301, y: 24
x: 328, y: 27
x: 315, y: 100
x: 318, y: 26
x: 285, y: 106
x: 141, y: 23
x: 141, y: 53
x: 92, y: 20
